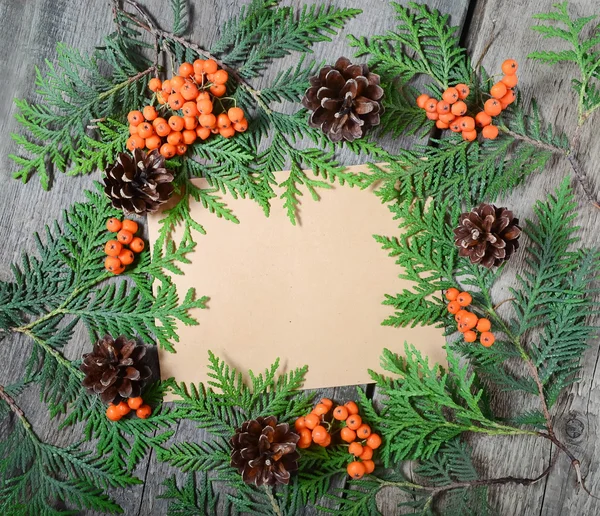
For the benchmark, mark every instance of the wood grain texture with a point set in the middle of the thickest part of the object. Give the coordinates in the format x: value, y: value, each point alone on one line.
x: 35, y: 28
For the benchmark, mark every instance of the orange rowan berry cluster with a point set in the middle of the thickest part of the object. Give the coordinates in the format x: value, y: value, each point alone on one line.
x: 468, y: 323
x: 118, y: 254
x: 190, y: 107
x: 451, y: 111
x: 116, y: 412
x: 324, y: 421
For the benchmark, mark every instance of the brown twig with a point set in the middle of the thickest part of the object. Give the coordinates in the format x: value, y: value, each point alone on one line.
x: 502, y: 302
x: 570, y: 154
x: 14, y: 407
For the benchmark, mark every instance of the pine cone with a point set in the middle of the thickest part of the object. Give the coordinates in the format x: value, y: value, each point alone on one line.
x: 265, y: 452
x: 113, y: 369
x: 138, y: 184
x: 345, y: 100
x: 487, y: 235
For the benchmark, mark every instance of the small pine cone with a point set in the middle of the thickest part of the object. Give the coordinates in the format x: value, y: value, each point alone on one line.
x: 264, y: 452
x: 345, y: 100
x: 113, y: 369
x: 139, y: 184
x: 487, y: 235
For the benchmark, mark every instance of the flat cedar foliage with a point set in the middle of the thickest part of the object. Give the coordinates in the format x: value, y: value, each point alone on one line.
x: 424, y: 410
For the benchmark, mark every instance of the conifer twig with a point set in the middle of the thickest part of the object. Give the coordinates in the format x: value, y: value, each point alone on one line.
x: 15, y: 408
x: 274, y: 505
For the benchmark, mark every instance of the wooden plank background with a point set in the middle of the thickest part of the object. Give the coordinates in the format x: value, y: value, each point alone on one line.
x: 32, y: 29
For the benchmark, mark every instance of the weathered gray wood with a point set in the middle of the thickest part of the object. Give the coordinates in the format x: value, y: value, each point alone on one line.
x: 34, y: 28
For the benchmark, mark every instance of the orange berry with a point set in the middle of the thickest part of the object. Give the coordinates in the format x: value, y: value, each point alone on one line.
x: 126, y: 257
x: 463, y: 91
x: 204, y: 106
x: 143, y: 412
x: 241, y: 127
x: 432, y: 116
x: 319, y: 434
x: 168, y: 150
x: 341, y: 413
x: 470, y: 319
x: 175, y: 138
x: 459, y: 108
x: 135, y: 117
x: 162, y: 128
x: 320, y: 409
x: 498, y: 90
x: 189, y: 109
x: 189, y: 136
x: 210, y: 66
x: 422, y: 99
x: 166, y: 87
x: 220, y: 77
x: 176, y: 123
x: 442, y: 107
x: 363, y: 431
x: 441, y: 125
x: 153, y: 142
x: 203, y: 132
x: 133, y: 129
x: 135, y: 142
x: 482, y: 119
x: 510, y: 81
x: 124, y: 236
x: 113, y: 224
x: 198, y: 66
x: 186, y: 69
x: 203, y: 95
x: 347, y: 435
x: 223, y: 121
x: 374, y: 441
x: 470, y: 336
x: 487, y: 338
x: 235, y: 114
x: 154, y: 84
x: 484, y: 325
x: 431, y: 106
x: 455, y: 126
x: 463, y: 327
x: 326, y: 442
x: 161, y: 97
x: 305, y: 438
x: 464, y: 299
x: 453, y: 307
x: 135, y: 403
x: 469, y: 135
x: 112, y: 413
x: 145, y: 130
x: 509, y: 67
x: 218, y: 90
x: 209, y: 120
x: 447, y: 118
x: 123, y: 408
x: 352, y: 407
x: 509, y: 98
x: 327, y: 402
x: 227, y: 132
x: 467, y: 123
x: 176, y: 83
x: 137, y: 245
x: 459, y: 315
x: 299, y: 424
x: 113, y: 247
x: 355, y: 449
x: 490, y: 132
x: 214, y: 130
x: 353, y: 422
x: 356, y: 470
x: 369, y: 466
x: 492, y: 107
x: 367, y: 453
x: 311, y: 421
x: 150, y: 113
x: 190, y: 122
x: 451, y: 95
x: 189, y: 91
x: 176, y: 101
x: 452, y: 294
x: 112, y: 263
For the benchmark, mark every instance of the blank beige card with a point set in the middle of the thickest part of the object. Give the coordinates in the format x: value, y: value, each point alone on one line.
x: 309, y: 294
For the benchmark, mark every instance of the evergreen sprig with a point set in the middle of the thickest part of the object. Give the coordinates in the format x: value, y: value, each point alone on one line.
x: 584, y: 51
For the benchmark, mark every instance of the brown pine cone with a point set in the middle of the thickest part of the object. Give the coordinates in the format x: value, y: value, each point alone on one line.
x: 487, y: 235
x: 113, y: 369
x: 264, y: 452
x: 345, y: 100
x: 139, y: 184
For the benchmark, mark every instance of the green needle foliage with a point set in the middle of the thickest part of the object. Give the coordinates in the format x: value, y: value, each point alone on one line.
x: 583, y: 50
